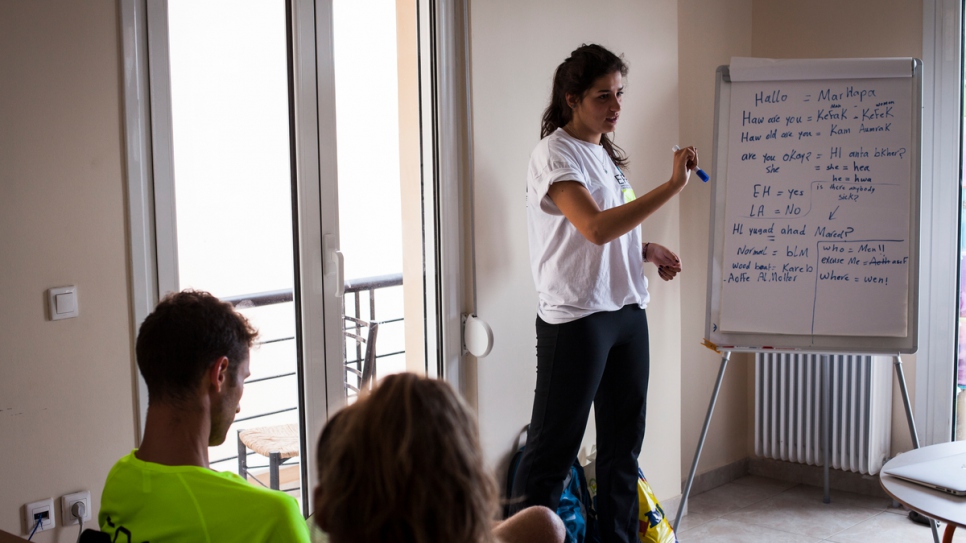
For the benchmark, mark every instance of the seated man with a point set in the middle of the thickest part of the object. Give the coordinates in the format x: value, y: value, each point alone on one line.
x: 193, y: 353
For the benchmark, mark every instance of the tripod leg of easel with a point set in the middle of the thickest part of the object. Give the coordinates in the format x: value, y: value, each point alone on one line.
x: 912, y: 426
x: 704, y: 434
x: 905, y: 402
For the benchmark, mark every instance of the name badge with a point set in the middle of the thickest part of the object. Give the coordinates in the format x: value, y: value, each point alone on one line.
x: 626, y: 190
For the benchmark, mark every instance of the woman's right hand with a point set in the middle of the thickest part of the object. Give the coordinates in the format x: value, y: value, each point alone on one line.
x: 685, y: 160
x: 603, y: 226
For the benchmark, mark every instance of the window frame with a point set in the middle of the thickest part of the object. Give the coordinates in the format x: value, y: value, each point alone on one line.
x: 448, y: 197
x: 939, y: 257
x: 140, y: 181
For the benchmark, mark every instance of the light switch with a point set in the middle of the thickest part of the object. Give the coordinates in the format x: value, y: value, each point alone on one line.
x: 62, y: 302
x: 66, y: 303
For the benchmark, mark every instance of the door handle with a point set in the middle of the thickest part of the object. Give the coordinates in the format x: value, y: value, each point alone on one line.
x: 335, y: 264
x: 477, y: 336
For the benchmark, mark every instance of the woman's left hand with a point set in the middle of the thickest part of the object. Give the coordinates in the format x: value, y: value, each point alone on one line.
x: 668, y: 264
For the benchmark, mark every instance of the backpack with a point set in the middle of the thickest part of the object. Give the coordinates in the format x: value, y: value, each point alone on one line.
x: 575, y: 509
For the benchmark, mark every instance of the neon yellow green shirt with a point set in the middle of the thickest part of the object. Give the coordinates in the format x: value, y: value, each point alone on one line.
x: 148, y: 502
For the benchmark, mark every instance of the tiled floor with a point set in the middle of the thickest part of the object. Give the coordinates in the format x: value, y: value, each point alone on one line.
x: 758, y: 510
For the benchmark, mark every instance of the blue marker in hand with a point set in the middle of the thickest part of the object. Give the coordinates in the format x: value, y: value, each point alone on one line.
x: 704, y: 177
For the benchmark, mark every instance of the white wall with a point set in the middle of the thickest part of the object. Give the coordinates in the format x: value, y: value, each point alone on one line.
x: 512, y: 67
x: 710, y: 33
x: 833, y: 29
x: 515, y: 47
x: 66, y: 387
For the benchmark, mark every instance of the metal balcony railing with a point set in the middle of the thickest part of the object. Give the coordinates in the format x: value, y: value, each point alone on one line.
x: 359, y: 306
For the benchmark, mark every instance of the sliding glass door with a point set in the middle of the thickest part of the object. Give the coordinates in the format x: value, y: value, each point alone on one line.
x: 277, y: 152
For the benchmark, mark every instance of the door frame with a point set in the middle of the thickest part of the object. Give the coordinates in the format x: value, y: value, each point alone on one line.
x: 942, y: 161
x: 447, y: 146
x: 448, y: 198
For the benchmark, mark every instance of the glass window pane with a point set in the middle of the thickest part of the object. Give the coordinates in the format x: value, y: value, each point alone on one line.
x: 370, y: 83
x: 233, y: 182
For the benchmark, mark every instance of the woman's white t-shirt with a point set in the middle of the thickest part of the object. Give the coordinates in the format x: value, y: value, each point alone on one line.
x: 573, y: 276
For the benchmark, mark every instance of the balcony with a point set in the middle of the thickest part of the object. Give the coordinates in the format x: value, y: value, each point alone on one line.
x: 271, y: 393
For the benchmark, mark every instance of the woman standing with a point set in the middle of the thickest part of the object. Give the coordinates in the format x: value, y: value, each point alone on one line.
x: 587, y: 257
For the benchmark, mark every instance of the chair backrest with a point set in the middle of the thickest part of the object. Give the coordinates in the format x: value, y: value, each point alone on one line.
x: 367, y: 372
x: 369, y: 360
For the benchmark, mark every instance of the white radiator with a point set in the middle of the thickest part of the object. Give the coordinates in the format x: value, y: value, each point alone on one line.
x: 788, y: 410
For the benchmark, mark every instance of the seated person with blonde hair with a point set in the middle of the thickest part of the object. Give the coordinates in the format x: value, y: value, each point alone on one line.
x: 404, y: 464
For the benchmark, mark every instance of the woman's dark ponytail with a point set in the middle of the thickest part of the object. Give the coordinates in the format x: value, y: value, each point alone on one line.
x: 576, y: 76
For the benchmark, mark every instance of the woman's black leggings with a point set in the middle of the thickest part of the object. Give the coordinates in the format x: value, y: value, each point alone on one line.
x: 601, y: 359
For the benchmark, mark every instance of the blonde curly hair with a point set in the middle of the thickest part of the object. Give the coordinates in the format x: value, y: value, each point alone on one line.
x: 404, y: 464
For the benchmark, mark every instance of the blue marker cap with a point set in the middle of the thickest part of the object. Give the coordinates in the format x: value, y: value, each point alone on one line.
x: 704, y: 177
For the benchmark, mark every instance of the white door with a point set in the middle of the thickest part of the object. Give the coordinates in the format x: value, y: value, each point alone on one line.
x: 246, y: 179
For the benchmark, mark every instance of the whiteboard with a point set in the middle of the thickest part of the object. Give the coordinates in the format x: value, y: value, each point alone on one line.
x: 815, y: 214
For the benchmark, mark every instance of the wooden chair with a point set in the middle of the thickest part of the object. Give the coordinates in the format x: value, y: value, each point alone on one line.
x: 278, y: 443
x: 948, y: 534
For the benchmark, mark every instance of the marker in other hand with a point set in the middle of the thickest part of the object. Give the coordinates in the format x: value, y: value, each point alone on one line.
x: 704, y: 177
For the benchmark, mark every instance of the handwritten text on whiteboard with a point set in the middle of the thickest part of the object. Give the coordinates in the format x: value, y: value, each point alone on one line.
x: 817, y: 208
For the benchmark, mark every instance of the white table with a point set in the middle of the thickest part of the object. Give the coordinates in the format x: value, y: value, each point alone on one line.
x: 931, y: 503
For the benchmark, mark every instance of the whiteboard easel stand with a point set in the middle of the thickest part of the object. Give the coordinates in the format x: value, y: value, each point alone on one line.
x: 826, y: 434
x: 796, y: 81
x: 704, y: 434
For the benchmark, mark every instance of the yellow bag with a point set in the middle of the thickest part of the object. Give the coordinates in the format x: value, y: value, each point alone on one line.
x: 654, y: 526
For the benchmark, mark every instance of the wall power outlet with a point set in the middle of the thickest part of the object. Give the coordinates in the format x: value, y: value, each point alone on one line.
x: 69, y: 500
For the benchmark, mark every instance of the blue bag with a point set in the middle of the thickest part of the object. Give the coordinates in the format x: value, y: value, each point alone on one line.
x: 576, y: 507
